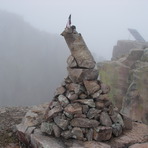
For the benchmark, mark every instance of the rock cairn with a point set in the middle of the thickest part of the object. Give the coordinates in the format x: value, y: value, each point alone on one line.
x: 81, y: 108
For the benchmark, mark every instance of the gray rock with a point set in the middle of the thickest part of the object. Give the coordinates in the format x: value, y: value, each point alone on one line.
x: 79, y: 50
x: 66, y: 134
x: 89, y: 102
x: 79, y: 116
x: 93, y: 113
x: 71, y: 62
x: 56, y: 131
x: 63, y: 100
x: 82, y: 96
x: 75, y: 108
x: 96, y: 94
x: 78, y: 75
x: 102, y: 133
x: 70, y: 116
x: 105, y: 119
x: 84, y: 122
x: 77, y: 133
x: 74, y: 87
x: 103, y: 97
x: 89, y: 134
x: 100, y: 104
x: 59, y: 91
x: 105, y: 88
x: 127, y: 122
x: 53, y: 112
x: 47, y: 127
x: 71, y: 96
x: 62, y: 123
x: 117, y: 129
x: 91, y: 86
x: 85, y: 109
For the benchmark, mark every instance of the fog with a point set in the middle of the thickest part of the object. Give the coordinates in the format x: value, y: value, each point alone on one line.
x: 33, y: 54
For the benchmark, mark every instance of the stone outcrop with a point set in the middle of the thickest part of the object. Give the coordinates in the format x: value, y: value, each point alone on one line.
x: 128, y: 78
x: 123, y: 48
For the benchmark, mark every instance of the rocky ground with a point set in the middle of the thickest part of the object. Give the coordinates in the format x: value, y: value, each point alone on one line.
x: 9, y: 117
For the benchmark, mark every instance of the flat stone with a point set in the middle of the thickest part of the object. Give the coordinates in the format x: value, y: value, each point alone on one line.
x: 71, y: 62
x: 93, y: 113
x: 78, y: 75
x: 74, y: 87
x: 75, y: 108
x: 91, y: 86
x: 89, y: 102
x: 77, y: 133
x: 117, y: 129
x: 79, y: 116
x: 71, y: 96
x: 142, y: 145
x: 47, y: 127
x: 105, y: 88
x: 89, y: 134
x: 82, y: 96
x: 84, y: 122
x: 93, y: 144
x: 105, y: 119
x: 66, y: 134
x: 62, y: 123
x: 60, y: 91
x: 63, y: 100
x: 102, y: 133
x: 103, y: 97
x: 70, y: 116
x: 53, y: 112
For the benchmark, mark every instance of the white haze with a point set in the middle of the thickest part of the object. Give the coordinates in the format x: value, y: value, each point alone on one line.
x: 101, y: 22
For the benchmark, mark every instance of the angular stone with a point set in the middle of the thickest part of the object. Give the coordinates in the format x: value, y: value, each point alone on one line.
x: 93, y: 113
x: 89, y: 134
x: 47, y: 127
x: 59, y: 91
x: 117, y: 129
x: 82, y: 96
x: 66, y: 134
x: 140, y: 145
x: 79, y: 116
x: 96, y: 94
x: 117, y: 118
x: 84, y: 122
x: 56, y: 130
x: 91, y: 86
x: 71, y: 96
x: 100, y: 105
x: 68, y: 80
x: 71, y: 62
x: 75, y: 108
x: 63, y: 100
x: 52, y: 104
x: 78, y: 75
x: 105, y: 88
x: 85, y: 109
x: 62, y: 123
x: 70, y: 116
x: 74, y: 87
x: 127, y: 122
x: 77, y: 133
x: 89, y: 102
x: 95, y: 144
x: 53, y: 112
x: 102, y: 133
x: 103, y: 97
x: 105, y: 119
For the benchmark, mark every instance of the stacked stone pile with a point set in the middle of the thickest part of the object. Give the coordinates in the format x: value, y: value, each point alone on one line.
x: 81, y: 108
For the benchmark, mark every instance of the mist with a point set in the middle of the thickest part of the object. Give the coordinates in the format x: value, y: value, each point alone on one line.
x: 33, y: 54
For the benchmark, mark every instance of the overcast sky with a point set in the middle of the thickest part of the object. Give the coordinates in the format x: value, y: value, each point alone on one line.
x: 101, y: 22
